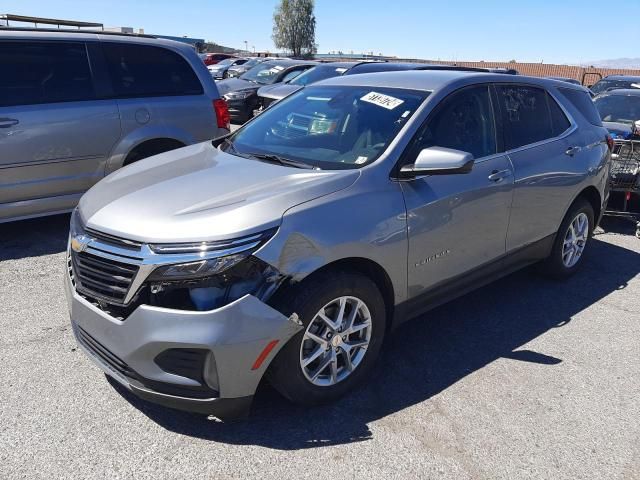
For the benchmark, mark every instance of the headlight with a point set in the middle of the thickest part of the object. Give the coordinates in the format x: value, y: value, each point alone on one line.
x: 212, y: 275
x: 241, y: 95
x: 195, y: 270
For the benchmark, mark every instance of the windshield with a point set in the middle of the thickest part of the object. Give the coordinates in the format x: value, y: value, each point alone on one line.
x: 316, y: 74
x: 604, y: 85
x: 618, y: 108
x: 264, y: 73
x: 227, y: 61
x: 329, y: 127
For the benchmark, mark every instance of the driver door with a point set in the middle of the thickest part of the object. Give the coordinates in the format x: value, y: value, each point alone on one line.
x: 458, y: 222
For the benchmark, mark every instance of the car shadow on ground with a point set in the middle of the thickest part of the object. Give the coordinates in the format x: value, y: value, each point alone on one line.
x: 420, y: 359
x: 33, y: 238
x: 423, y: 357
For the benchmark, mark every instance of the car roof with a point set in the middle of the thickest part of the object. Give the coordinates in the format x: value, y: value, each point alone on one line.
x: 629, y: 92
x: 432, y: 80
x: 288, y: 62
x: 7, y: 33
x: 633, y: 78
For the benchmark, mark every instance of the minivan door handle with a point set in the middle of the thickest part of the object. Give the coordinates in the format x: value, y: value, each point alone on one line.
x: 8, y: 122
x: 571, y: 151
x: 498, y: 175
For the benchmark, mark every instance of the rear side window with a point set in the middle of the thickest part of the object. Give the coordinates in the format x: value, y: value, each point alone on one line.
x: 530, y: 115
x: 463, y: 121
x: 583, y: 103
x: 559, y: 121
x: 44, y: 72
x: 147, y: 71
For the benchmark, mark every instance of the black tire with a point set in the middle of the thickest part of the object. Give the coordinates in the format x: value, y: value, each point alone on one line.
x: 554, y: 265
x: 306, y: 299
x: 225, y: 75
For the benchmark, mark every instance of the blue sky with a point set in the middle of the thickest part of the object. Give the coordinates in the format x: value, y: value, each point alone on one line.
x: 553, y: 31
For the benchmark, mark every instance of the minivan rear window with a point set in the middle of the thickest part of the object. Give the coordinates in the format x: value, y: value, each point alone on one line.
x: 148, y: 71
x: 44, y: 72
x: 583, y: 103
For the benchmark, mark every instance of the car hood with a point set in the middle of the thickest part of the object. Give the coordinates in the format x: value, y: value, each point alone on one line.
x: 200, y: 193
x: 278, y: 91
x: 235, y: 84
x: 619, y: 130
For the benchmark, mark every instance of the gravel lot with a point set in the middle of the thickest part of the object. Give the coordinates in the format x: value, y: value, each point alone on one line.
x: 525, y: 378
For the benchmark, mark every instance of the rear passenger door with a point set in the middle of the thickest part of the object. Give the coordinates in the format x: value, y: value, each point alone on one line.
x: 537, y: 134
x: 55, y: 131
x: 159, y: 95
x: 458, y: 223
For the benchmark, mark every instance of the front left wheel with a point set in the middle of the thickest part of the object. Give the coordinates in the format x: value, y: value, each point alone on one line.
x: 344, y: 322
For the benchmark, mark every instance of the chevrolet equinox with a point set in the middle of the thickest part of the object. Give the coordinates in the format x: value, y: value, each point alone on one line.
x: 290, y: 248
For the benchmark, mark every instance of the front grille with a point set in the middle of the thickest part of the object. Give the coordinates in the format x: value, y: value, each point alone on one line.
x: 101, y: 277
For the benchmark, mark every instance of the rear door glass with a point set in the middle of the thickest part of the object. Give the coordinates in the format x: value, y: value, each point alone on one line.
x: 526, y: 115
x: 44, y: 72
x: 147, y: 71
x: 559, y: 121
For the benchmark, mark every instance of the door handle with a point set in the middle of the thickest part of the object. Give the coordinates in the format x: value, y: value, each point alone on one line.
x: 8, y: 122
x: 571, y: 151
x: 498, y: 175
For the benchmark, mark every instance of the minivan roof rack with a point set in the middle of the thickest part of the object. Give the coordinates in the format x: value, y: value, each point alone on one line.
x: 9, y: 17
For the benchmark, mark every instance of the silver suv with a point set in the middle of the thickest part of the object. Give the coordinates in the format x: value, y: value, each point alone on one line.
x: 292, y: 247
x: 75, y: 106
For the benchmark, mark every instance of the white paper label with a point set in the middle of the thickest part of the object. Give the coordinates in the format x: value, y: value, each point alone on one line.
x: 382, y: 100
x: 341, y: 70
x: 361, y: 159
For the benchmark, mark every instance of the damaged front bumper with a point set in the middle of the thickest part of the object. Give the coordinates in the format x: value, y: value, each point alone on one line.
x: 202, y: 361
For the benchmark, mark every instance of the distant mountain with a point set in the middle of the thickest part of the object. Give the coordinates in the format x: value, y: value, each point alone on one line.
x: 631, y: 63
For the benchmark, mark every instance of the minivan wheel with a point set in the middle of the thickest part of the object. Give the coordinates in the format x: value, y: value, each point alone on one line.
x: 571, y: 241
x: 343, y: 318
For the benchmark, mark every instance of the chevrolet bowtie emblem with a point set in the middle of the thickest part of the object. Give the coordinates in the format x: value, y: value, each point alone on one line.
x: 79, y: 243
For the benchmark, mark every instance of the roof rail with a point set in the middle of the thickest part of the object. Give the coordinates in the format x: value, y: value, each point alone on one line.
x: 68, y: 30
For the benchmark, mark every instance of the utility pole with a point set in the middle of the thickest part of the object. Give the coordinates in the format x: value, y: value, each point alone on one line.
x: 246, y: 46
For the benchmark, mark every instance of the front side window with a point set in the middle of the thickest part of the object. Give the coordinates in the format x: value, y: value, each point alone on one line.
x: 331, y: 127
x: 463, y: 121
x: 526, y: 115
x: 147, y: 71
x: 44, y: 72
x: 618, y: 108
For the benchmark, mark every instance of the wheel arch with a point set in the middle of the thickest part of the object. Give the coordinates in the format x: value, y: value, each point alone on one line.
x: 151, y: 147
x: 364, y: 266
x: 592, y: 195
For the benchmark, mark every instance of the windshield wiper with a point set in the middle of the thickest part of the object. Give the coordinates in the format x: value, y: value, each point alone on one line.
x: 287, y: 162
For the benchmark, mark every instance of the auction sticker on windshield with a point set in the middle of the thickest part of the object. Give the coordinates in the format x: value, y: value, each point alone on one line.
x: 382, y: 100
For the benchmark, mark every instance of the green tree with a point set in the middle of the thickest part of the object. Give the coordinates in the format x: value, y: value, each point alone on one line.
x: 294, y: 27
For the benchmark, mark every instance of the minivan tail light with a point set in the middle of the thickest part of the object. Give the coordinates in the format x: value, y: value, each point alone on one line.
x: 222, y: 113
x: 610, y: 143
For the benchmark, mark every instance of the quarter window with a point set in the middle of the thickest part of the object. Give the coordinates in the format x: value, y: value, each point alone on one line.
x: 146, y: 71
x: 559, y: 121
x: 44, y: 72
x: 464, y: 121
x: 528, y: 115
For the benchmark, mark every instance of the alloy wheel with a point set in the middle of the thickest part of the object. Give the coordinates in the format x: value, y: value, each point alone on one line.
x: 575, y: 240
x: 336, y: 341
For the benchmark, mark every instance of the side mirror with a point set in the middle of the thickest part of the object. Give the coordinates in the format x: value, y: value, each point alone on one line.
x: 438, y: 161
